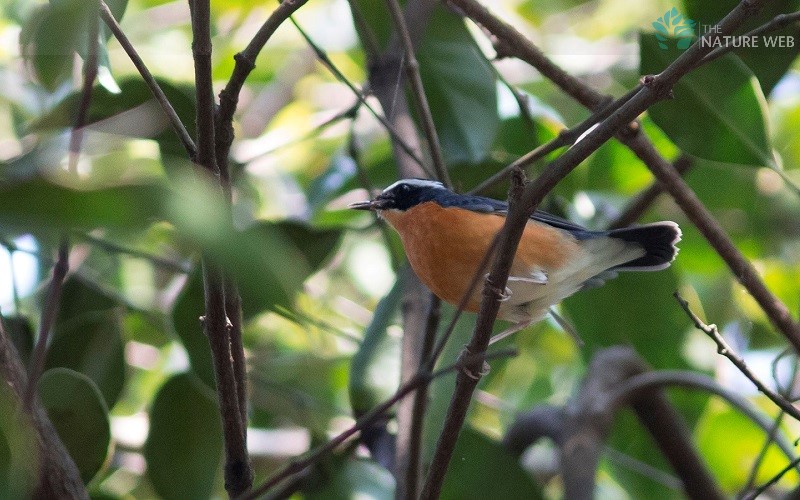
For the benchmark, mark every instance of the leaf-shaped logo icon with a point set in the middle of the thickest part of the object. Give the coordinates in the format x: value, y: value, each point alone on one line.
x: 674, y: 28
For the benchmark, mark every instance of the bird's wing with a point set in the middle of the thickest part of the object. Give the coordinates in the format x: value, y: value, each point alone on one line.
x: 489, y: 205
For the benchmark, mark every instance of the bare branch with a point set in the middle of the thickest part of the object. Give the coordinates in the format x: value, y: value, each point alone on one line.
x: 418, y: 92
x: 49, y: 314
x: 238, y: 472
x: 89, y: 76
x: 726, y: 350
x: 152, y: 84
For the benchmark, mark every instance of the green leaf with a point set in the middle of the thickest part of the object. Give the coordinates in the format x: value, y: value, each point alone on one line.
x: 19, y: 448
x: 301, y: 388
x: 375, y: 368
x: 459, y: 82
x: 53, y: 34
x: 713, y: 117
x: 79, y: 414
x: 184, y: 447
x: 355, y: 478
x: 186, y: 313
x: 91, y: 344
x: 37, y: 203
x: 463, y: 102
x: 482, y: 468
x: 635, y: 309
x: 732, y: 459
x: 769, y: 63
x: 20, y: 331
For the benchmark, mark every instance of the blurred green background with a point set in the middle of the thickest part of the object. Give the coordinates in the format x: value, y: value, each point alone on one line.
x: 141, y: 419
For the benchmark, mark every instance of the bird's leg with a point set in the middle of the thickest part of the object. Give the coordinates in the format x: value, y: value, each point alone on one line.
x: 567, y: 327
x: 511, y: 331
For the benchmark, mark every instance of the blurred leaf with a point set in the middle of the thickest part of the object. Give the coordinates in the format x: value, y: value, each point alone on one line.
x: 19, y: 448
x: 141, y: 121
x: 720, y: 119
x: 79, y: 414
x: 91, y: 344
x: 635, y: 309
x: 769, y: 63
x: 299, y: 389
x: 36, y: 203
x: 354, y: 478
x: 79, y: 297
x: 53, y: 34
x: 184, y: 446
x: 732, y: 459
x: 186, y: 313
x: 20, y: 331
x: 463, y: 103
x: 482, y: 468
x: 375, y: 367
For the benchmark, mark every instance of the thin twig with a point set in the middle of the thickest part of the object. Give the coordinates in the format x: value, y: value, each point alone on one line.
x: 726, y: 350
x: 778, y: 22
x: 238, y: 472
x: 418, y: 92
x: 764, y: 487
x: 149, y: 80
x: 762, y: 454
x: 89, y: 75
x: 110, y: 246
x: 396, y: 136
x: 49, y: 314
x: 654, y: 89
x: 245, y: 63
x: 419, y: 379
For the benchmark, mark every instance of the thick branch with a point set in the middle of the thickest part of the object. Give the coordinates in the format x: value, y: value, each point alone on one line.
x: 58, y: 475
x: 238, y: 473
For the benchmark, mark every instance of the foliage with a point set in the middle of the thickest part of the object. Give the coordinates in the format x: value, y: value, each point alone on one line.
x: 129, y: 375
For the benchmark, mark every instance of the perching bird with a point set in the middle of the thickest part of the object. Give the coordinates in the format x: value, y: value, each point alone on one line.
x: 446, y: 235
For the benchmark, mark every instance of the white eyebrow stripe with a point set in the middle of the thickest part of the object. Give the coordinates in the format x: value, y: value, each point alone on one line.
x: 416, y: 182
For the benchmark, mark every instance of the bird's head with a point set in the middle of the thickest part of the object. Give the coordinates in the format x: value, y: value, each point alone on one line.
x: 402, y: 195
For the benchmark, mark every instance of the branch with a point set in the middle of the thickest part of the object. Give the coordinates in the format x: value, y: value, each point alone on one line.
x: 89, y: 75
x: 245, y: 63
x: 58, y: 475
x: 420, y: 378
x: 726, y: 350
x: 418, y: 92
x: 149, y: 80
x: 522, y: 48
x: 778, y: 22
x: 521, y: 207
x: 49, y: 314
x: 238, y: 472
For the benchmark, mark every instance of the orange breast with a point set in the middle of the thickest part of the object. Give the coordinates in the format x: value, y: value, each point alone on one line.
x: 446, y: 245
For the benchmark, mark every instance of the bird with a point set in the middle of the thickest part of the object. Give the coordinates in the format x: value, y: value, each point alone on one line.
x: 446, y: 236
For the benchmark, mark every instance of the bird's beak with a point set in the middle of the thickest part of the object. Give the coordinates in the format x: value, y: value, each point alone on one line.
x: 366, y: 205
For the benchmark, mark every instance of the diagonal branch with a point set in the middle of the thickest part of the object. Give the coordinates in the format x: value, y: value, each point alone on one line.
x: 521, y: 207
x: 514, y: 43
x: 726, y: 350
x: 149, y: 80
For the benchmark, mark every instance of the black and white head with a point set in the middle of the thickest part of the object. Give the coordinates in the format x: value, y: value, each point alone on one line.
x: 403, y: 195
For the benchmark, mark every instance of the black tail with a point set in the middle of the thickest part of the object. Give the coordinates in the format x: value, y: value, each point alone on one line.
x: 658, y: 240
